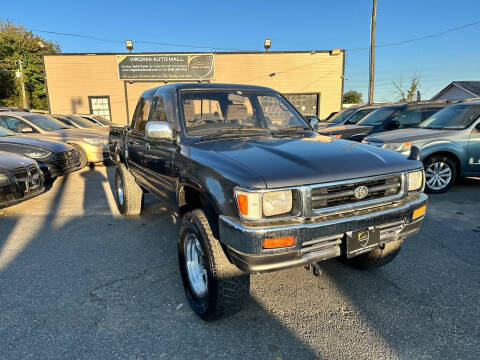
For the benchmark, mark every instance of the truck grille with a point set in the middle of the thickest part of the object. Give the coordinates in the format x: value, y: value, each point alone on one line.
x: 326, y: 197
x: 67, y: 160
x: 321, y: 243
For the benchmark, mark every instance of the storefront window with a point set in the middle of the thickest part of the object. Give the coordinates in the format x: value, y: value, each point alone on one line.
x: 100, y: 105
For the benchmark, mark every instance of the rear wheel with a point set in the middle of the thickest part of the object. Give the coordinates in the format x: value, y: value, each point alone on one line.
x: 129, y: 194
x: 215, y: 288
x: 440, y: 174
x: 375, y: 258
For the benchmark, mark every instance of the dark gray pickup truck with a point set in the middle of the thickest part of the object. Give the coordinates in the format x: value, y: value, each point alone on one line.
x: 258, y: 190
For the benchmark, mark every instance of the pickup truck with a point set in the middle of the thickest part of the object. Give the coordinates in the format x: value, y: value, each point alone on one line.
x: 258, y: 190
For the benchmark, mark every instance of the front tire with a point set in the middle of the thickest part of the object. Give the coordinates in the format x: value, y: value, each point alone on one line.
x: 81, y: 155
x: 214, y: 287
x: 440, y: 174
x: 375, y: 258
x: 129, y: 194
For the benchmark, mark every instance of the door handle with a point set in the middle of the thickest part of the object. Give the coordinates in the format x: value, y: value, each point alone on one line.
x: 147, y: 146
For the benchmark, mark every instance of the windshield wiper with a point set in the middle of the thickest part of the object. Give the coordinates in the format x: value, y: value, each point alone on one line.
x: 234, y: 131
x: 291, y: 129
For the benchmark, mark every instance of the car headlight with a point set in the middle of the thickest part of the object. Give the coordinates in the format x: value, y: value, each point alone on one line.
x: 415, y: 180
x: 4, y: 178
x: 399, y: 147
x: 37, y: 154
x: 254, y: 205
x: 94, y: 141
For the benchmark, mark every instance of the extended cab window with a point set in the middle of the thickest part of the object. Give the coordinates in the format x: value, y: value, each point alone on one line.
x: 141, y: 114
x: 159, y: 113
x: 213, y: 111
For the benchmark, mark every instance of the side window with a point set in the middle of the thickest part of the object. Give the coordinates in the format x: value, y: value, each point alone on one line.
x: 141, y: 114
x: 159, y: 113
x: 409, y: 117
x: 429, y: 112
x: 14, y: 124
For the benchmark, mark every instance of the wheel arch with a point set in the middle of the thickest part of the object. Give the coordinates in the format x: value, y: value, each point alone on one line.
x: 448, y: 154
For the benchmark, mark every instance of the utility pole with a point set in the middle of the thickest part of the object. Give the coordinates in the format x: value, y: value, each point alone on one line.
x: 372, y: 52
x: 22, y: 83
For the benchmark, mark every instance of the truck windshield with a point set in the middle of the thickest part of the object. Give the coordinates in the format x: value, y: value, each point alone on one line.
x: 44, y: 123
x: 454, y: 117
x: 378, y: 116
x: 207, y: 112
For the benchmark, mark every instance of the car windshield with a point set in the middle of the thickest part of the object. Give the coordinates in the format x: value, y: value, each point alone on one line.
x: 208, y: 112
x: 359, y: 115
x: 342, y: 115
x: 454, y: 117
x: 378, y: 116
x: 44, y: 122
x: 79, y: 121
x: 99, y: 118
x: 5, y: 132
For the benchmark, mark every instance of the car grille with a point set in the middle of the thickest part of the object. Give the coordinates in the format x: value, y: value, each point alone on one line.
x: 67, y: 160
x: 22, y: 173
x: 326, y: 197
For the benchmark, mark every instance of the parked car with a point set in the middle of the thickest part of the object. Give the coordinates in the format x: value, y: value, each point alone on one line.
x: 449, y: 142
x: 258, y: 190
x: 79, y: 122
x: 358, y: 114
x: 92, y: 146
x: 97, y: 119
x: 340, y: 116
x: 20, y: 179
x: 386, y: 118
x: 53, y: 157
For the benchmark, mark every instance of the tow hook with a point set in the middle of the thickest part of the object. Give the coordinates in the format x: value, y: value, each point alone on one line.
x: 315, y: 268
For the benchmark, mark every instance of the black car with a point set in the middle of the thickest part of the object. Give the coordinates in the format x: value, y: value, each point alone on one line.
x: 386, y: 118
x: 53, y: 157
x: 20, y: 179
x: 258, y: 190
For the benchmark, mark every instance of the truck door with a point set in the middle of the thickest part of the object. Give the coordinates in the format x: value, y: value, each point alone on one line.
x: 160, y: 169
x: 135, y: 140
x: 474, y: 150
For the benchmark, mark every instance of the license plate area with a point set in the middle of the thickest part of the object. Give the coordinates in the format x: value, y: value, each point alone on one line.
x: 32, y: 184
x: 360, y: 242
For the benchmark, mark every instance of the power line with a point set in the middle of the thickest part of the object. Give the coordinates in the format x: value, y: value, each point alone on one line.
x: 419, y: 38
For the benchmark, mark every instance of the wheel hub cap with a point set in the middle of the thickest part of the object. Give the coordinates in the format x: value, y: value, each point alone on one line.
x: 438, y: 175
x: 195, y: 263
x: 120, y: 190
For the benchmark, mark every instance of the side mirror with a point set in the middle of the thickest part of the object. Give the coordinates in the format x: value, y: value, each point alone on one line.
x: 159, y: 130
x: 313, y: 121
x: 27, y: 130
x: 393, y: 124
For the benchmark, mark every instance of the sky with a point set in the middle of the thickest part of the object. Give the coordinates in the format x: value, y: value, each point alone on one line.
x: 291, y: 25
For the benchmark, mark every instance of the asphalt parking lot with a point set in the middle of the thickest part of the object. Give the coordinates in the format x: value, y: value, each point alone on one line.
x: 79, y: 281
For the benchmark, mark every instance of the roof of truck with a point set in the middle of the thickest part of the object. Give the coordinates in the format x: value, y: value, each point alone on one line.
x: 182, y: 86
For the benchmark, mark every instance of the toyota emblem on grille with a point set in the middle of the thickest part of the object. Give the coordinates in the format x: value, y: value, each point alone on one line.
x: 360, y: 192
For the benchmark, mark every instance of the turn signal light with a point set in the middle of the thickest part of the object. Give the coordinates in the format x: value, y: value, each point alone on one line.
x: 242, y: 200
x: 419, y: 212
x: 278, y: 242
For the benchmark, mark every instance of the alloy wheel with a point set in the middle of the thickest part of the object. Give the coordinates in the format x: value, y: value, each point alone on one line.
x: 438, y: 175
x: 195, y: 264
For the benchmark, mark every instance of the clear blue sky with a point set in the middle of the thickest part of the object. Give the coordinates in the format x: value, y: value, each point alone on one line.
x: 292, y: 25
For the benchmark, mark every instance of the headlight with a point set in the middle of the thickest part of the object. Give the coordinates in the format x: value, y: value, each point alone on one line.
x: 94, y: 141
x: 254, y: 205
x: 37, y: 154
x: 415, y: 180
x: 3, y: 178
x: 399, y: 147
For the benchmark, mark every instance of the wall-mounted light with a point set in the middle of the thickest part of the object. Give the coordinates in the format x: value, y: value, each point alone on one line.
x: 129, y: 45
x: 267, y: 44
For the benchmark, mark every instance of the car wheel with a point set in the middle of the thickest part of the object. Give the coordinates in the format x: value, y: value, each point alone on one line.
x: 214, y: 287
x: 82, y: 155
x: 440, y: 174
x: 375, y: 258
x: 129, y: 194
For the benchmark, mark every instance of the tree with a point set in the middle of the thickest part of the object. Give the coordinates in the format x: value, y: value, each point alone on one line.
x: 410, y: 93
x: 18, y: 44
x: 352, y: 97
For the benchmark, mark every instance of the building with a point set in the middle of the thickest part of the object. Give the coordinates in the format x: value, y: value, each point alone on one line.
x: 459, y: 90
x: 110, y: 84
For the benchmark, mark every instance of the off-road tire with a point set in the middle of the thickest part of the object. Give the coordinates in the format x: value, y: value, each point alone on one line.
x: 82, y: 155
x: 132, y: 193
x: 375, y: 258
x: 453, y: 168
x: 228, y: 287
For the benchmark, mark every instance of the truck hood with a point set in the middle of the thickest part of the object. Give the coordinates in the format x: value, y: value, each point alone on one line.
x: 283, y: 162
x: 345, y: 130
x: 9, y: 161
x: 403, y: 135
x: 33, y: 142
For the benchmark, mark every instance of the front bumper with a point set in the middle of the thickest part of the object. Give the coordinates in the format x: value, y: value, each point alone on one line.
x: 17, y: 191
x: 318, y: 238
